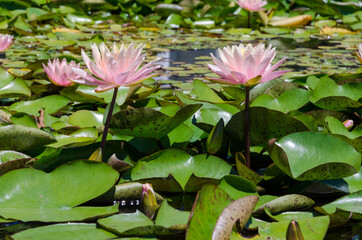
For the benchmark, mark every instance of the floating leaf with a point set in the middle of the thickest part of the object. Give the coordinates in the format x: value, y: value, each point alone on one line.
x: 353, y: 137
x: 350, y: 203
x: 134, y: 224
x: 312, y: 228
x: 288, y: 101
x: 11, y: 160
x: 209, y: 204
x: 285, y: 203
x: 181, y: 166
x: 79, y: 231
x: 149, y: 123
x: 169, y: 217
x: 328, y: 95
x: 19, y: 138
x: 85, y: 118
x: 50, y: 104
x: 15, y: 88
x: 239, y: 210
x: 39, y: 196
x: 264, y: 125
x: 315, y: 155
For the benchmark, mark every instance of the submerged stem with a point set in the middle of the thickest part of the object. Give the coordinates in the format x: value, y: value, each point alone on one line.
x: 108, y: 120
x: 246, y: 127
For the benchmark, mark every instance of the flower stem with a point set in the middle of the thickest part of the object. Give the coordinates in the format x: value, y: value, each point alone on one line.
x: 247, y: 127
x: 249, y: 19
x: 108, y: 120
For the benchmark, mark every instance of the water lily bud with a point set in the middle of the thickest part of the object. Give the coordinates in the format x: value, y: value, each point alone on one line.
x: 294, y: 232
x: 348, y: 124
x: 149, y: 202
x: 214, y: 140
x: 96, y: 155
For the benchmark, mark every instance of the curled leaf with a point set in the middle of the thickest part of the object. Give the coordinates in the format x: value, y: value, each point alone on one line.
x: 241, y: 210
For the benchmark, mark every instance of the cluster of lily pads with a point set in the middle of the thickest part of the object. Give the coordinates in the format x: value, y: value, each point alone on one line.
x: 64, y: 175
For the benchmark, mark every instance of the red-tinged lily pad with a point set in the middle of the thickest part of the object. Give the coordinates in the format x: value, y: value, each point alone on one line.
x: 314, y: 156
x: 265, y: 124
x: 239, y: 210
x: 11, y: 160
x: 19, y: 138
x: 164, y: 167
x: 149, y: 123
x: 32, y: 195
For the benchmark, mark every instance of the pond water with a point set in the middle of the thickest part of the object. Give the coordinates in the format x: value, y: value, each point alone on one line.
x: 304, y: 57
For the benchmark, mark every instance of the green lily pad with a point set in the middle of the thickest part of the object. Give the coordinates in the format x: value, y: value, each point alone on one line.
x: 149, y: 123
x: 328, y: 95
x: 86, y: 118
x: 180, y: 165
x: 285, y: 203
x: 80, y: 137
x: 138, y: 224
x: 237, y: 187
x: 53, y: 197
x: 169, y: 217
x: 205, y: 93
x: 288, y: 101
x: 23, y: 119
x: 209, y: 204
x: 354, y: 182
x: 88, y: 91
x: 128, y: 224
x: 264, y: 125
x: 350, y: 203
x: 79, y: 231
x: 19, y: 138
x: 50, y: 104
x: 15, y: 88
x: 315, y: 156
x: 354, y: 137
x: 11, y: 160
x: 312, y: 228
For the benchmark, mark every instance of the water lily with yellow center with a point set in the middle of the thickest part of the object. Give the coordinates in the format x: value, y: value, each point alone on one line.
x: 112, y: 69
x: 59, y: 72
x: 246, y: 65
x: 6, y: 41
x: 116, y: 67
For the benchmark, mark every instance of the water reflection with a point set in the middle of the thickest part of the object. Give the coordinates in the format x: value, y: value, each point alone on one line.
x: 305, y: 56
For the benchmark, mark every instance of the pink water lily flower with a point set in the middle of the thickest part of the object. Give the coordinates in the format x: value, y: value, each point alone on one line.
x: 252, y: 5
x: 246, y: 65
x: 59, y: 72
x: 5, y: 41
x: 359, y: 52
x: 116, y: 67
